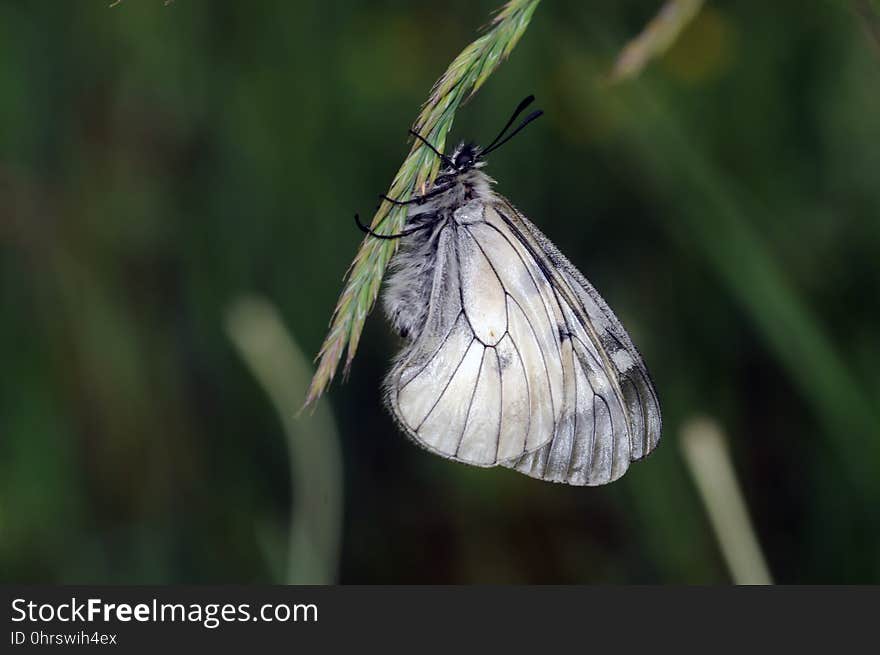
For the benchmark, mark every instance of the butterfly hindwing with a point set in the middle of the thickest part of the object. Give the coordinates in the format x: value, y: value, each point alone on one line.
x: 478, y: 384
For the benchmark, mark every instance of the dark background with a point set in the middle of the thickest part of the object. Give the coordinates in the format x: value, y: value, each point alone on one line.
x: 158, y: 163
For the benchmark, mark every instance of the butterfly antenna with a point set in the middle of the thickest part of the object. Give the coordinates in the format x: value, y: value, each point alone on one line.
x: 445, y: 159
x: 516, y: 112
x: 528, y: 119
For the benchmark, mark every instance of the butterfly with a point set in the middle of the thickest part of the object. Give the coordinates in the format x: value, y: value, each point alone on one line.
x: 511, y: 357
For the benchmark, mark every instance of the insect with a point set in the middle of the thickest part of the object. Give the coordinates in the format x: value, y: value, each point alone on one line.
x: 511, y: 357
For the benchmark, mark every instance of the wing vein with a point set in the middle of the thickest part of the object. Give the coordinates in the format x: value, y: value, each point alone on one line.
x: 543, y: 359
x: 436, y: 352
x: 500, y: 402
x: 531, y: 277
x: 575, y: 420
x: 446, y: 386
x: 467, y: 415
x: 585, y: 324
x: 528, y: 390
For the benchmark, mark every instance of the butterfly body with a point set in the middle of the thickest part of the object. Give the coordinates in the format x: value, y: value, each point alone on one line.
x: 413, y: 267
x: 511, y: 357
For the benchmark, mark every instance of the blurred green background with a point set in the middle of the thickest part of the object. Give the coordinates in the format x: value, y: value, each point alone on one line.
x: 159, y: 163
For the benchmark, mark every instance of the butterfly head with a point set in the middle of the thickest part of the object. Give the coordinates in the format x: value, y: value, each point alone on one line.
x: 465, y: 157
x: 453, y: 176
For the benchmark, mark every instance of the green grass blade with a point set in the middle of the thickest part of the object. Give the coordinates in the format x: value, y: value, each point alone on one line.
x: 465, y: 75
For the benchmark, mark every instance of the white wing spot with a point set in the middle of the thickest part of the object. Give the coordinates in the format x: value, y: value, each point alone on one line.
x: 622, y: 360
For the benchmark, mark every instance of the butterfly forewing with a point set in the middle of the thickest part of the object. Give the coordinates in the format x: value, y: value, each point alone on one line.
x: 615, y: 415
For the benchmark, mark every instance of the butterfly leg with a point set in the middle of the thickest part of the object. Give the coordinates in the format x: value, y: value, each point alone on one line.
x: 418, y: 199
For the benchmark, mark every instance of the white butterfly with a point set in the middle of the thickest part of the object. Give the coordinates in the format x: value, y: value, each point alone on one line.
x: 512, y: 357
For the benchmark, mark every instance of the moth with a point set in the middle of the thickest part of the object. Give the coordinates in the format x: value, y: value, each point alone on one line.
x: 511, y: 357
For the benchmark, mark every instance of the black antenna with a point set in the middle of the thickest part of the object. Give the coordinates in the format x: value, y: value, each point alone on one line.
x: 519, y: 109
x: 367, y: 230
x: 436, y: 152
x: 528, y: 119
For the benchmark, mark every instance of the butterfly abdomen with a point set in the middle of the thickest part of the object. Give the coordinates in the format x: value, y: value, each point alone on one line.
x: 409, y: 283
